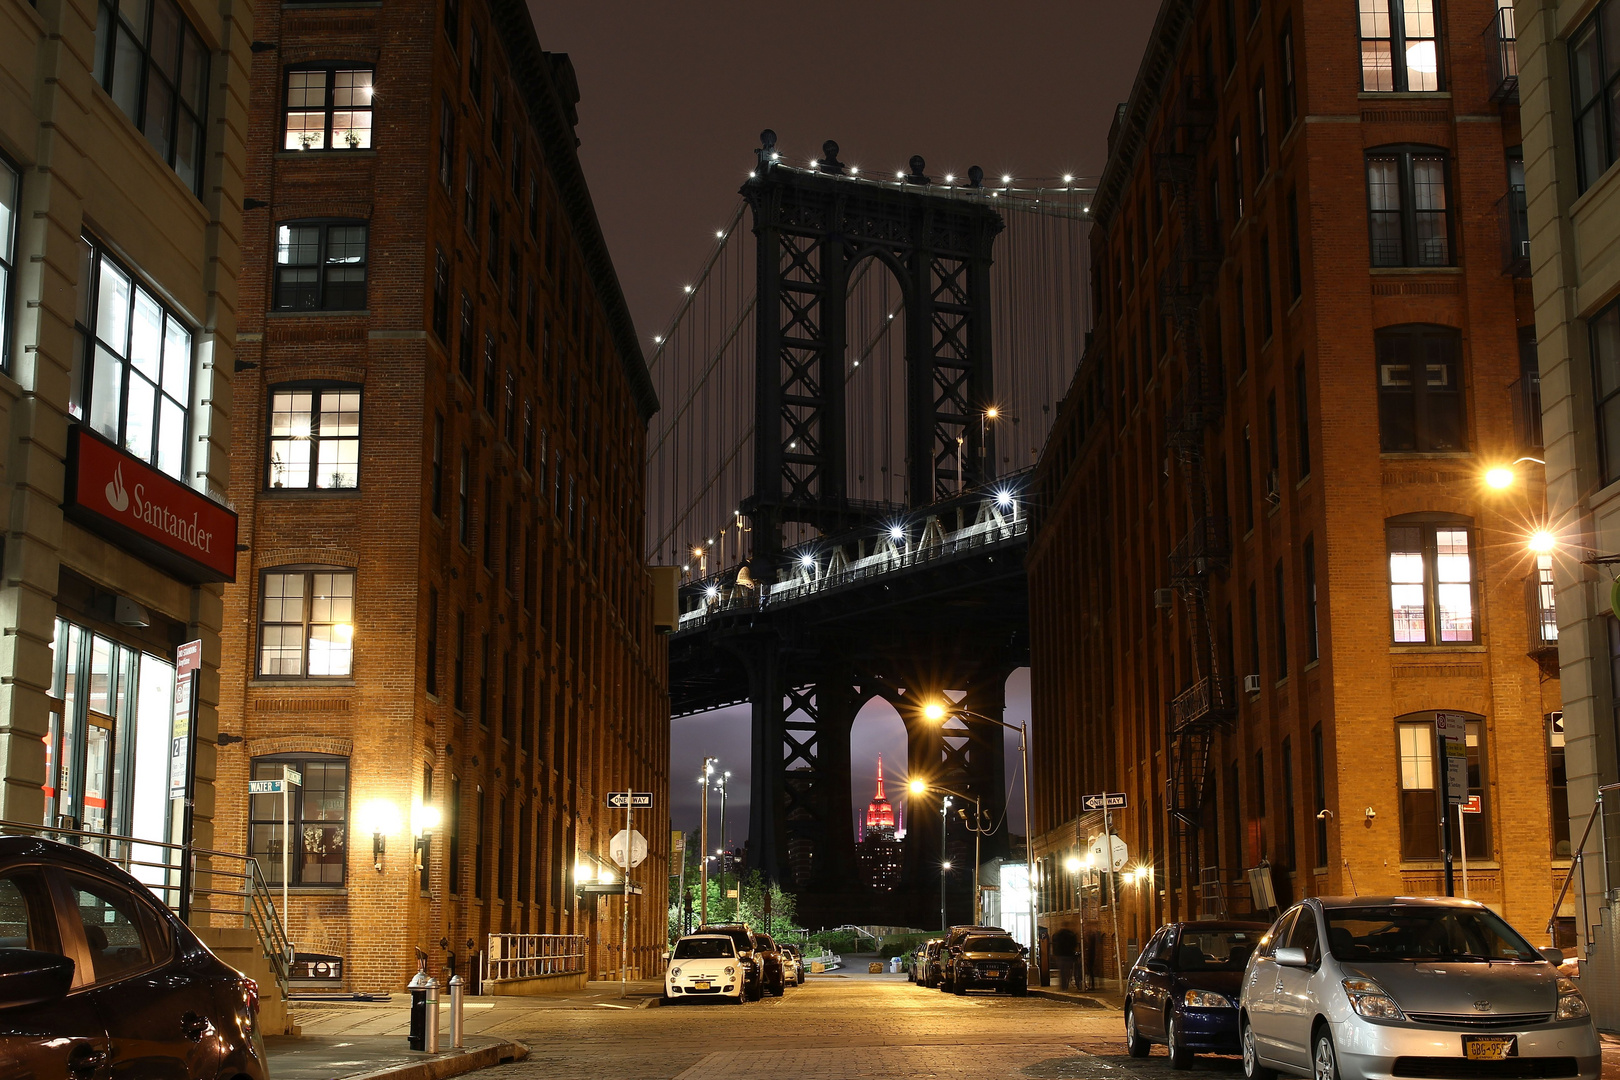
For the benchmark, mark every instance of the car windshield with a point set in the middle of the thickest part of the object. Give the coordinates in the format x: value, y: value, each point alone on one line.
x: 704, y: 949
x: 764, y: 944
x: 1215, y: 950
x: 990, y: 944
x: 1414, y: 932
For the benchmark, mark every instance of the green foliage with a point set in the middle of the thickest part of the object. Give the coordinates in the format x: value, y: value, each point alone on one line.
x: 748, y: 906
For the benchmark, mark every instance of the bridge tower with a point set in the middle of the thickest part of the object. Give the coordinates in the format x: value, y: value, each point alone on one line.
x: 813, y: 228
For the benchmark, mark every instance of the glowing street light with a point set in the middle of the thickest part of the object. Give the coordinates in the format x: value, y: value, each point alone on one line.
x: 1499, y: 477
x: 1543, y: 542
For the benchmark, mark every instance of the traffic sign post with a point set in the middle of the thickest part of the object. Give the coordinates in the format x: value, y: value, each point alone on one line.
x: 625, y: 800
x: 635, y: 850
x: 290, y: 778
x: 1452, y: 731
x: 1469, y: 805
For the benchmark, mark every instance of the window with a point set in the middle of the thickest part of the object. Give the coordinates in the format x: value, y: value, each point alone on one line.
x: 493, y: 261
x: 464, y: 499
x: 468, y: 337
x: 1319, y: 794
x: 469, y: 211
x: 1313, y: 646
x: 319, y: 813
x: 1241, y: 310
x: 155, y: 66
x: 328, y: 108
x: 489, y: 372
x: 1431, y: 581
x: 1420, y: 397
x: 437, y: 477
x: 528, y: 436
x: 1229, y: 25
x: 441, y: 296
x: 1594, y: 66
x: 135, y: 355
x: 1265, y: 287
x: 424, y: 849
x: 1289, y: 812
x: 1280, y: 615
x: 1285, y: 70
x: 489, y: 522
x: 321, y: 266
x: 447, y: 143
x: 1248, y: 480
x: 10, y: 184
x: 1302, y: 422
x: 459, y: 682
x: 1408, y: 218
x: 1296, y: 276
x: 534, y: 206
x: 306, y: 623
x: 1604, y: 332
x: 1558, y: 786
x: 455, y: 834
x: 483, y: 678
x: 1400, y: 48
x: 1237, y: 173
x: 475, y: 64
x: 433, y: 641
x: 1262, y: 148
x: 509, y: 402
x: 452, y: 25
x: 118, y: 933
x: 1421, y: 783
x: 1254, y: 630
x: 314, y: 438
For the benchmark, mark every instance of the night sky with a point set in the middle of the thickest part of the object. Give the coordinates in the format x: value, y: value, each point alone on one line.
x: 674, y: 97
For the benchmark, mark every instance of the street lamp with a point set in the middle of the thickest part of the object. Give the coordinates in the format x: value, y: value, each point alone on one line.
x: 1499, y: 477
x: 703, y: 844
x: 979, y: 827
x: 937, y: 711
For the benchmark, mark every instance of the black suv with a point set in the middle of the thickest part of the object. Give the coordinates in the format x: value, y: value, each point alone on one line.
x: 753, y: 969
x: 990, y: 962
x: 950, y: 951
x: 773, y: 973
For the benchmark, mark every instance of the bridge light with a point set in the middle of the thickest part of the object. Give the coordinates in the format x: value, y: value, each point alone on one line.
x: 897, y: 533
x: 934, y: 711
x: 854, y: 170
x: 946, y: 864
x: 991, y: 413
x: 918, y: 787
x: 658, y: 339
x: 1004, y: 499
x: 806, y: 561
x: 1067, y: 179
x: 950, y: 178
x: 900, y: 175
x: 719, y: 234
x: 1006, y: 178
x: 711, y: 592
x: 688, y: 288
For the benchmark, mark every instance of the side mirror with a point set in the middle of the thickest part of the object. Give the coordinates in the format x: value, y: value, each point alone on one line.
x: 31, y: 978
x: 1158, y: 966
x: 1291, y: 956
x: 1553, y: 956
x: 1023, y: 950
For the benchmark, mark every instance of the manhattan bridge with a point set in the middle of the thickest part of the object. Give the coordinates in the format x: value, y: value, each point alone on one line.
x: 855, y: 389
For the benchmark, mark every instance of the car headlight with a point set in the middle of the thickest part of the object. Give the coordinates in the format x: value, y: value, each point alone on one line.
x: 1205, y: 999
x: 674, y: 973
x: 1571, y: 1005
x: 730, y: 971
x: 1369, y: 1000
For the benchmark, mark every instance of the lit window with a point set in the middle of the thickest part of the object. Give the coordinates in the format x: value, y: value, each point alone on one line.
x: 306, y: 624
x: 315, y: 438
x: 318, y: 809
x: 133, y: 376
x: 1409, y: 218
x: 1400, y: 47
x: 321, y: 266
x: 328, y: 109
x: 1431, y: 583
x: 155, y: 66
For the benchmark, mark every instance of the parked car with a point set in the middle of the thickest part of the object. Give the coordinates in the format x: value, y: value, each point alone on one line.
x: 704, y: 966
x: 916, y: 962
x: 1183, y: 990
x: 773, y: 973
x: 98, y: 979
x: 990, y: 962
x: 1348, y: 987
x: 952, y: 947
x: 928, y: 967
x: 743, y: 939
x: 795, y: 973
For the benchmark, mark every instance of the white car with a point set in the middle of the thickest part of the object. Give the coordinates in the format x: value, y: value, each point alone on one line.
x: 704, y: 966
x: 792, y: 967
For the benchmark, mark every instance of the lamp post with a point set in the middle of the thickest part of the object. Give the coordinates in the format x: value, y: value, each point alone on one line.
x: 978, y: 828
x: 720, y: 783
x: 938, y: 712
x: 703, y: 844
x: 944, y: 862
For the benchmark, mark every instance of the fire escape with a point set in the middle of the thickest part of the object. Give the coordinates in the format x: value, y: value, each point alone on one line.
x: 1209, y: 702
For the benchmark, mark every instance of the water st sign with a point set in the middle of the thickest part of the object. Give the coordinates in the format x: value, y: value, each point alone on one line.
x: 265, y: 787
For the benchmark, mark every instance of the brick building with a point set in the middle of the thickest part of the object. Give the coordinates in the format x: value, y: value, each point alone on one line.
x: 120, y: 207
x: 1270, y: 555
x: 446, y: 626
x: 1566, y: 68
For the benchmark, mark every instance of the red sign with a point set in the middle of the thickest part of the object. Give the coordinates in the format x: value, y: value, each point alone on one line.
x: 157, y: 517
x: 1470, y: 805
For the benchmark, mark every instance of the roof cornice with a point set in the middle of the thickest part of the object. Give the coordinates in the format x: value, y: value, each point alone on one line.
x: 1164, y: 45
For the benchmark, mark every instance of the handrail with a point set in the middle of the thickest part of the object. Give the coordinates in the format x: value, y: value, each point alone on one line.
x: 1578, y: 858
x: 251, y: 901
x: 510, y: 957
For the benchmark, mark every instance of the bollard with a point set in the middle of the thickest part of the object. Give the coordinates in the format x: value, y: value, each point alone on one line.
x: 418, y: 987
x: 458, y: 990
x: 432, y: 1042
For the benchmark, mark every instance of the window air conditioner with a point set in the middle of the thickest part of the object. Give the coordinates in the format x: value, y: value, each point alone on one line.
x: 1251, y: 684
x: 1164, y: 598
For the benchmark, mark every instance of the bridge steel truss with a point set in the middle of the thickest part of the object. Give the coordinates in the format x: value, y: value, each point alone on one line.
x: 1209, y: 705
x: 957, y: 622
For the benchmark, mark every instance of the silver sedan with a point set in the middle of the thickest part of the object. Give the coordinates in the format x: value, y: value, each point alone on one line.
x: 1376, y: 987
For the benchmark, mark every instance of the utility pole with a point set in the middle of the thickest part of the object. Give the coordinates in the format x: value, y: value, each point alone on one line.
x: 944, y: 859
x: 703, y: 845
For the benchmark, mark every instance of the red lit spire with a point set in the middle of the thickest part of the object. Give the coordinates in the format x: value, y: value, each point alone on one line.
x: 879, y: 814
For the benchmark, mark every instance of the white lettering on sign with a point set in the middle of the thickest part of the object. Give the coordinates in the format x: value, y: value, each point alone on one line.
x: 161, y: 517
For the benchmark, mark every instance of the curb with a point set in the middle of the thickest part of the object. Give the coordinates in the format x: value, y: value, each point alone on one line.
x: 1078, y: 1002
x: 455, y: 1063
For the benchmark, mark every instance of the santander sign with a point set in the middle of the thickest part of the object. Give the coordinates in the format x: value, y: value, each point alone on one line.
x: 168, y: 522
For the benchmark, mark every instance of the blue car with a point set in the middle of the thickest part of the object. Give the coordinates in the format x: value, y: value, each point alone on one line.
x: 1183, y: 989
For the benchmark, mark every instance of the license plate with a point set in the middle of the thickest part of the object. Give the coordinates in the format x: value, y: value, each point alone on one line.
x: 1490, y: 1047
x: 993, y: 971
x: 700, y: 985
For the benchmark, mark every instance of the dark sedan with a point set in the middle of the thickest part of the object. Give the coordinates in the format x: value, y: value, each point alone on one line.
x: 990, y: 962
x: 1183, y: 989
x: 97, y: 979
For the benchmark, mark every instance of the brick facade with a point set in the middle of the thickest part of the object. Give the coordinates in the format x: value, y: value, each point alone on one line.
x: 562, y: 679
x: 1140, y: 456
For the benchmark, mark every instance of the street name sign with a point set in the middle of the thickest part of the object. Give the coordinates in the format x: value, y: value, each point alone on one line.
x: 639, y: 800
x: 264, y: 787
x: 1109, y: 800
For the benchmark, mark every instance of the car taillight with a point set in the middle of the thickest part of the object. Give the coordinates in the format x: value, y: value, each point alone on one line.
x: 250, y: 993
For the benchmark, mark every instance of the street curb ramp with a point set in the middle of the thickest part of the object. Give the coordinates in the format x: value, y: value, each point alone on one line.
x: 454, y: 1064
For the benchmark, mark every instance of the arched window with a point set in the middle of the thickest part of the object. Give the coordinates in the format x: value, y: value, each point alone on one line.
x: 306, y: 623
x: 1422, y: 780
x: 1431, y: 580
x: 1408, y: 211
x: 1420, y: 395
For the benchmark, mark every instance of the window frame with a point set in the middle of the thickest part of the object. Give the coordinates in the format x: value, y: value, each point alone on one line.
x: 1481, y: 842
x: 302, y: 762
x: 1286, y: 74
x: 317, y: 389
x: 1427, y: 526
x: 110, y: 29
x: 1601, y: 328
x: 308, y: 571
x: 1409, y: 342
x: 328, y: 107
x: 320, y: 266
x: 10, y: 178
x: 1599, y: 108
x: 82, y: 406
x: 1406, y: 215
x: 1401, y: 74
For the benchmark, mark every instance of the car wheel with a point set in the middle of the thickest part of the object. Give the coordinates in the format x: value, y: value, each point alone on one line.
x: 1180, y: 1056
x: 1325, y: 1061
x: 1252, y: 1069
x: 911, y: 976
x: 1135, y: 1044
x: 1020, y: 989
x: 959, y: 988
x: 740, y: 998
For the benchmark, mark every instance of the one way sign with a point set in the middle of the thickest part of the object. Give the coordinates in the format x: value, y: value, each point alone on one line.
x: 637, y: 800
x: 1112, y: 800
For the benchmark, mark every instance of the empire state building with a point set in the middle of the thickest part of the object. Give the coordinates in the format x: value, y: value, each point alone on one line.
x: 879, y: 848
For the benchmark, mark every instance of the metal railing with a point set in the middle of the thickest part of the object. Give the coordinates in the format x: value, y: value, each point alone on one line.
x: 214, y: 888
x: 1502, y: 57
x: 1541, y: 606
x: 1577, y: 867
x: 1513, y: 218
x: 1207, y: 700
x: 1526, y: 396
x: 511, y: 957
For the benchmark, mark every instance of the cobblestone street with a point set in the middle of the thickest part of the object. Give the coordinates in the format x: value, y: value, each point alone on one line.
x: 831, y: 1028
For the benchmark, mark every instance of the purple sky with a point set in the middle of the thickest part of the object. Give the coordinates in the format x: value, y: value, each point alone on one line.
x: 674, y: 97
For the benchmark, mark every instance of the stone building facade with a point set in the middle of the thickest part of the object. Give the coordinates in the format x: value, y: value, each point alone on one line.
x: 446, y: 626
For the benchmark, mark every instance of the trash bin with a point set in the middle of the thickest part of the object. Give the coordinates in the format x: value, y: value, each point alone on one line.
x: 894, y: 965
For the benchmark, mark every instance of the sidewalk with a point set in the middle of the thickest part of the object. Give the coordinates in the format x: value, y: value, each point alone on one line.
x: 1100, y: 998
x: 317, y: 1057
